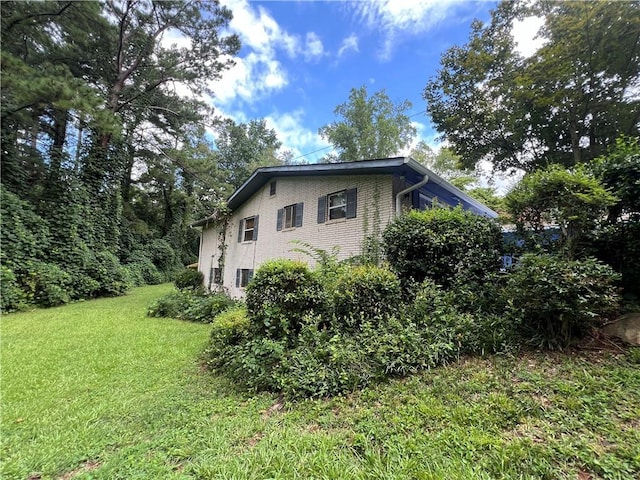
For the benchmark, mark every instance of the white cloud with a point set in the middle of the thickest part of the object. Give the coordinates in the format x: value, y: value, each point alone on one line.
x: 295, y: 136
x: 314, y: 48
x: 524, y: 33
x: 348, y: 44
x: 395, y: 18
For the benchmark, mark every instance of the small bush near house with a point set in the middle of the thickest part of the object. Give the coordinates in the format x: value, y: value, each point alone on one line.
x: 189, y: 279
x: 445, y: 245
x: 367, y: 292
x: 556, y: 301
x: 278, y: 297
x: 187, y: 305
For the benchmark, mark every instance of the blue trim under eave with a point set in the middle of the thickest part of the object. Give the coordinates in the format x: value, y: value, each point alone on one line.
x: 403, y: 166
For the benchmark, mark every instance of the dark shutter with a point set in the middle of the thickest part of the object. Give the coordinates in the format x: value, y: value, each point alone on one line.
x: 250, y: 276
x: 255, y: 228
x: 299, y: 209
x: 240, y: 230
x: 352, y: 202
x: 279, y: 220
x: 322, y: 209
x: 238, y: 277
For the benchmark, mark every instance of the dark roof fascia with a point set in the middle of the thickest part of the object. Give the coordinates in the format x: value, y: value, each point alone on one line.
x: 262, y: 175
x: 433, y: 177
x: 396, y: 165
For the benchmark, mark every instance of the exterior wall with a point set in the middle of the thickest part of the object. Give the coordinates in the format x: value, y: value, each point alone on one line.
x: 375, y: 206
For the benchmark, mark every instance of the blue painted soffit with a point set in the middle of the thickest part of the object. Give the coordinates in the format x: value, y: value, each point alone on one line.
x: 405, y: 167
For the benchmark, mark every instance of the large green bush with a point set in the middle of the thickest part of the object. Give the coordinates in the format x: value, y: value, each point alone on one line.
x: 556, y: 301
x: 279, y: 296
x: 113, y: 278
x: 45, y: 284
x: 444, y: 245
x: 189, y: 279
x: 366, y: 292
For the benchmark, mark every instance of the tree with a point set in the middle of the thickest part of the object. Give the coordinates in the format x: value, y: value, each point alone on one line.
x: 572, y: 199
x: 371, y: 127
x: 244, y: 147
x: 566, y: 104
x: 445, y: 163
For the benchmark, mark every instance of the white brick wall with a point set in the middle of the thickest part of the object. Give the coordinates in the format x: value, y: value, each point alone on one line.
x: 374, y: 200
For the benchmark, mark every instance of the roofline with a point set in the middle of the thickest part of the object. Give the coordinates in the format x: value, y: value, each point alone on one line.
x: 262, y: 175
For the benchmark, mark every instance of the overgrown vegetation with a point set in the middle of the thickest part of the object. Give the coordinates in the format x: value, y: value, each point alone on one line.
x: 344, y: 326
x: 113, y: 394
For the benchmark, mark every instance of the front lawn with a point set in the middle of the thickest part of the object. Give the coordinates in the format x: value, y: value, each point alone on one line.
x: 99, y: 390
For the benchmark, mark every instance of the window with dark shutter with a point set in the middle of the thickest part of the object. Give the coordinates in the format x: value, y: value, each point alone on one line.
x: 243, y: 277
x: 322, y: 209
x: 337, y: 205
x: 272, y: 189
x: 299, y: 212
x: 352, y: 202
x: 290, y: 216
x: 248, y: 229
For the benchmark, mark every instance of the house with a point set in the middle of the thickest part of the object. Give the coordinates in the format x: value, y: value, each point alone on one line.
x: 325, y: 205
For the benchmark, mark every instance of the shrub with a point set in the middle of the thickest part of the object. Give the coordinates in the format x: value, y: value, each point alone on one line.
x: 45, y: 284
x: 230, y: 326
x: 442, y: 244
x: 189, y: 279
x: 556, y: 300
x: 187, y: 305
x: 12, y: 297
x: 280, y: 294
x: 366, y: 292
x: 142, y: 270
x: 112, y: 277
x: 203, y: 309
x: 171, y: 305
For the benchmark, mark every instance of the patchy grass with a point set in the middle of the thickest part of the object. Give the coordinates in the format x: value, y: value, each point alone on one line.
x: 97, y: 390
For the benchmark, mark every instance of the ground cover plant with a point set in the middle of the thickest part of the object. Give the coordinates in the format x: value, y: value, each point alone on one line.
x: 98, y: 390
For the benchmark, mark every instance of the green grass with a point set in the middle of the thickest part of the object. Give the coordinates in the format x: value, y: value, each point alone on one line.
x: 98, y: 390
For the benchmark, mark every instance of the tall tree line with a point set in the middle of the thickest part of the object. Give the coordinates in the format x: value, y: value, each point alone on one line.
x: 104, y: 164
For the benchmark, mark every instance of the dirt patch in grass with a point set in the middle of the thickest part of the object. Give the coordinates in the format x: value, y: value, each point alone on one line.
x: 87, y: 466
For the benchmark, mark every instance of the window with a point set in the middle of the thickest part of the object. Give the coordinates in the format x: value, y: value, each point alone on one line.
x: 290, y: 216
x: 248, y: 229
x: 272, y: 189
x: 337, y: 205
x: 217, y: 276
x: 243, y: 277
x: 342, y: 204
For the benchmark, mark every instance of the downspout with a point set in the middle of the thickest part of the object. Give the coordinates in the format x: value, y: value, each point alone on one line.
x: 407, y: 190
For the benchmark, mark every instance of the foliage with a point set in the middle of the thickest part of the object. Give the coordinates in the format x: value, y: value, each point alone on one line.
x: 12, y: 297
x: 370, y: 127
x: 571, y: 199
x: 564, y: 104
x: 189, y: 279
x: 45, y: 284
x: 84, y: 98
x: 556, y: 301
x: 113, y: 279
x: 618, y: 245
x: 442, y: 244
x: 244, y: 147
x: 535, y: 415
x: 279, y: 296
x: 366, y: 292
x: 190, y: 306
x: 619, y: 172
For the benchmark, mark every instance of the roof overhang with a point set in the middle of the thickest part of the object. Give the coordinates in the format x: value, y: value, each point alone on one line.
x: 402, y: 166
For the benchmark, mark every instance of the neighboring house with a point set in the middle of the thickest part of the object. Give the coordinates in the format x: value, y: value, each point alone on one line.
x: 325, y: 205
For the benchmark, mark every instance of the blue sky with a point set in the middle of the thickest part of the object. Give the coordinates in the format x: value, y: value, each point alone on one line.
x: 300, y: 59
